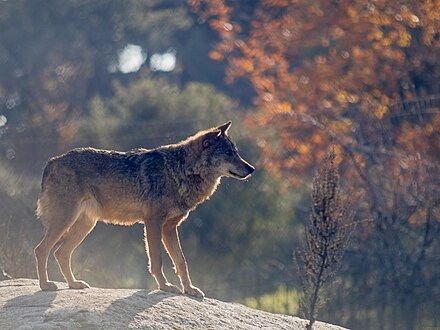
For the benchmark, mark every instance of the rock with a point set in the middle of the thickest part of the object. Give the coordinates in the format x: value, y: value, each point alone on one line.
x: 24, y: 306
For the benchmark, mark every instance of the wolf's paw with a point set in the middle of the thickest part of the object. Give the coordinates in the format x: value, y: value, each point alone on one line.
x: 79, y: 285
x: 48, y: 286
x: 168, y: 287
x: 193, y: 291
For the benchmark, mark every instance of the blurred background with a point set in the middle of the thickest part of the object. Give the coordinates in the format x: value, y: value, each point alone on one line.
x: 295, y: 77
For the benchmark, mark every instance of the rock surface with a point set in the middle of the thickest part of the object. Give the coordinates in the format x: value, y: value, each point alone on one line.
x: 24, y: 306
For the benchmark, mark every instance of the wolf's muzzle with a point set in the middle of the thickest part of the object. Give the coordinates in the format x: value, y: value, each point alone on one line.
x: 245, y: 171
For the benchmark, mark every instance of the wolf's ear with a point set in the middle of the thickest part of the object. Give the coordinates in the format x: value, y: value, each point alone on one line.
x: 209, y: 138
x: 224, y: 128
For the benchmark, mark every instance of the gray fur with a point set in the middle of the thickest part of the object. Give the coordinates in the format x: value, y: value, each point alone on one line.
x: 157, y: 187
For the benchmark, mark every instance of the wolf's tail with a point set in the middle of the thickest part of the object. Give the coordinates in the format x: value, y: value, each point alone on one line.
x: 38, y: 209
x: 41, y: 197
x: 46, y: 172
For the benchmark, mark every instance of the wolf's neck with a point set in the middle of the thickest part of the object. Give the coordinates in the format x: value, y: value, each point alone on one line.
x: 198, y: 186
x: 195, y: 182
x: 195, y: 189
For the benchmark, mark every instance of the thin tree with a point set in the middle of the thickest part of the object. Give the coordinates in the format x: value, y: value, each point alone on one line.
x: 326, y: 237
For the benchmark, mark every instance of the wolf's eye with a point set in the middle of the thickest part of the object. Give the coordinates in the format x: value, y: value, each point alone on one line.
x: 228, y: 153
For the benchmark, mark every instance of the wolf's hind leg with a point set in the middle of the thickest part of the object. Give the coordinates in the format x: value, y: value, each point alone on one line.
x: 53, y: 234
x: 57, y: 217
x: 71, y: 240
x: 153, y: 238
x: 174, y: 249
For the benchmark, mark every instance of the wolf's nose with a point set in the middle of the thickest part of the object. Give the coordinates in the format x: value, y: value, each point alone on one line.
x: 250, y: 168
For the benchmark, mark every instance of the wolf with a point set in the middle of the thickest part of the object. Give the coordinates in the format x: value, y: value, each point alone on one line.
x: 157, y: 187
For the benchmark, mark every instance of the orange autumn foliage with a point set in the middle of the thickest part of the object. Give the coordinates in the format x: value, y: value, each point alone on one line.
x: 363, y: 76
x: 329, y: 72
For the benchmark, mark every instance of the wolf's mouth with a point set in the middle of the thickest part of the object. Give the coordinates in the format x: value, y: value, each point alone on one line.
x: 234, y: 174
x: 237, y: 175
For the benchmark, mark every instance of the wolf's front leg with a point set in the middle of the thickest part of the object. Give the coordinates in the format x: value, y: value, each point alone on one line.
x: 153, y: 238
x: 174, y: 249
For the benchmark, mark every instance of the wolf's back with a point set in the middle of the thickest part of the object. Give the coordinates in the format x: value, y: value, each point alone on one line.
x: 104, y: 174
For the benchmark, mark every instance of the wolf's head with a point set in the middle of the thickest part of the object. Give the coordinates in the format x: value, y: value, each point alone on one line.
x: 220, y: 154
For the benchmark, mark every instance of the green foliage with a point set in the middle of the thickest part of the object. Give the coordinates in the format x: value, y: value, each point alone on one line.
x: 56, y: 55
x: 152, y: 111
x: 17, y: 224
x: 283, y: 300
